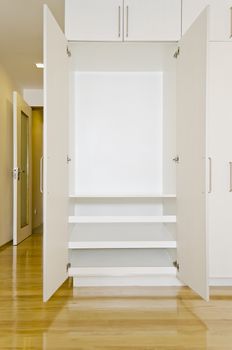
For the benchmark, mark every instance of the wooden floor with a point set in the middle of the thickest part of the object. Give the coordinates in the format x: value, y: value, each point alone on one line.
x: 104, y: 318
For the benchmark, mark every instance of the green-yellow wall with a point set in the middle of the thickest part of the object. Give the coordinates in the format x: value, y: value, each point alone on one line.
x: 6, y: 157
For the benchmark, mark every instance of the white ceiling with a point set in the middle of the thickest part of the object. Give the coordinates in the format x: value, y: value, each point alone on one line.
x: 21, y: 38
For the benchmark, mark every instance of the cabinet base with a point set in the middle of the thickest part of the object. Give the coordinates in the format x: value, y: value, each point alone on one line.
x: 114, y: 281
x: 220, y: 282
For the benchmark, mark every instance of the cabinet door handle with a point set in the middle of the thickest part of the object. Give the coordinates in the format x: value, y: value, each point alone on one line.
x: 41, y: 175
x: 230, y: 22
x: 210, y: 175
x: 127, y: 21
x: 119, y: 21
x: 230, y: 165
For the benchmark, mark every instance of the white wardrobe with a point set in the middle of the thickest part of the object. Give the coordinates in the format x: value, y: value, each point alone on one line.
x: 137, y: 167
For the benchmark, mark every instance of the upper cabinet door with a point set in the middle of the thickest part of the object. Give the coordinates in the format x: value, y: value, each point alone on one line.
x: 152, y: 20
x: 220, y: 17
x: 55, y: 185
x: 94, y: 20
x: 192, y: 187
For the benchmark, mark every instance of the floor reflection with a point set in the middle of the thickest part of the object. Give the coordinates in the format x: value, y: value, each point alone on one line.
x: 104, y: 318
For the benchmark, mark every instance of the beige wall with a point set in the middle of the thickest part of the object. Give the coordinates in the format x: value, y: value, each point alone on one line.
x: 37, y: 152
x: 6, y: 157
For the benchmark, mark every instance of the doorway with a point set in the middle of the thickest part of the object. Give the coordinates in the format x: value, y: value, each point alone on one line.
x: 28, y: 170
x: 22, y: 170
x: 37, y: 169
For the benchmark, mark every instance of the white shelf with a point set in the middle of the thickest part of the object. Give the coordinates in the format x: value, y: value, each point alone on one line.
x: 105, y: 237
x: 143, y: 195
x: 121, y: 244
x: 121, y: 219
x: 105, y: 258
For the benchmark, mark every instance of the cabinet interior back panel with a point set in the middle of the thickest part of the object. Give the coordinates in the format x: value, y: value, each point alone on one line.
x: 117, y: 132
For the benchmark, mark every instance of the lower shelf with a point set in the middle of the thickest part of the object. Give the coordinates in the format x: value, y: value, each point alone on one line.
x: 122, y: 258
x: 120, y: 271
x: 122, y: 244
x: 124, y: 277
x: 123, y: 267
x: 122, y: 219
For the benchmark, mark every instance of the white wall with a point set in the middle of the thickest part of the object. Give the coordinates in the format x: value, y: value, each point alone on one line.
x: 6, y: 157
x: 33, y: 97
x: 118, y: 128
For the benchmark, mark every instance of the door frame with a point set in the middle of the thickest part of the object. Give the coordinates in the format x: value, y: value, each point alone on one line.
x: 19, y: 107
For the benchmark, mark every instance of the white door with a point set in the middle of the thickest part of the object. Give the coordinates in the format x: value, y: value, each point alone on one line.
x: 192, y: 245
x: 152, y: 20
x: 220, y: 150
x: 22, y: 170
x: 91, y: 20
x: 55, y: 188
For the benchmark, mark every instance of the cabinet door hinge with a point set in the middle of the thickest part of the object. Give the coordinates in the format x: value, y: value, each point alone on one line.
x: 176, y: 159
x: 68, y: 267
x: 176, y: 54
x: 176, y: 264
x: 68, y: 52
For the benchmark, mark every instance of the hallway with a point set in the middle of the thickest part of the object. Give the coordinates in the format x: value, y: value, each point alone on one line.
x: 104, y: 318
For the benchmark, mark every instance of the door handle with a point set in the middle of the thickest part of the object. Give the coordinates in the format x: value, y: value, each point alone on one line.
x: 210, y: 175
x: 16, y: 173
x: 230, y: 165
x: 127, y: 21
x: 119, y: 21
x: 41, y: 175
x: 230, y: 22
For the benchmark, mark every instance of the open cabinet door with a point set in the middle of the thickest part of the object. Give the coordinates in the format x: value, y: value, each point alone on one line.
x: 55, y: 186
x: 192, y: 245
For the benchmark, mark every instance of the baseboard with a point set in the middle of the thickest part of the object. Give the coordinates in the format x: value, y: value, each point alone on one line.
x: 38, y: 229
x: 6, y: 245
x: 140, y: 280
x: 220, y: 282
x: 131, y: 280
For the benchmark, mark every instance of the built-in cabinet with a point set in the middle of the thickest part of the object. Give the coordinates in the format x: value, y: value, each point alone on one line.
x: 220, y: 22
x: 143, y: 175
x: 220, y: 153
x: 123, y: 20
x: 150, y: 20
x: 89, y: 20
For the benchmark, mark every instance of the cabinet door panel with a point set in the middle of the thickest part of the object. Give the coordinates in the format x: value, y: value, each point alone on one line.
x: 191, y: 9
x: 220, y: 150
x: 152, y: 20
x: 220, y: 21
x: 220, y: 17
x: 191, y: 148
x: 55, y: 246
x: 94, y: 20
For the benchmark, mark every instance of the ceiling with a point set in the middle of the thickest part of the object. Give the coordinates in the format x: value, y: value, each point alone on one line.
x: 21, y: 38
